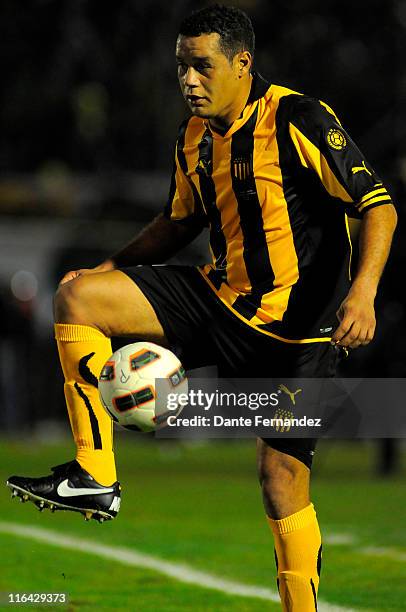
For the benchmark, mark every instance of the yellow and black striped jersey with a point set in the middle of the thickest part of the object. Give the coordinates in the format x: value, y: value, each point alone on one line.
x: 276, y: 191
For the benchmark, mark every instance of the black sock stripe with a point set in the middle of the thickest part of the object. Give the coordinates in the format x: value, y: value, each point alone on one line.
x: 97, y: 442
x: 277, y: 566
x: 319, y: 554
x: 86, y: 373
x: 314, y: 593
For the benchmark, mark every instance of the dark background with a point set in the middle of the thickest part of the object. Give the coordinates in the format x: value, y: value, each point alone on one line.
x: 89, y: 114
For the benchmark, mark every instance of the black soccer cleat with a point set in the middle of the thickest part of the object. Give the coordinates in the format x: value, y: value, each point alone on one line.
x: 70, y: 487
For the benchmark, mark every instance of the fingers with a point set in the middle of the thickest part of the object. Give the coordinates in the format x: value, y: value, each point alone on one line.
x: 341, y: 331
x: 352, y: 338
x: 357, y: 325
x: 76, y: 273
x: 356, y: 316
x: 369, y: 336
x: 70, y: 276
x: 353, y: 334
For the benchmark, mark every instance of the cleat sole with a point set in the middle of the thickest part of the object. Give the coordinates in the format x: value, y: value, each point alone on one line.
x: 41, y: 503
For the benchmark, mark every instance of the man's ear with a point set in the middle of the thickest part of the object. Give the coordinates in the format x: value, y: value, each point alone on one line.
x: 244, y: 62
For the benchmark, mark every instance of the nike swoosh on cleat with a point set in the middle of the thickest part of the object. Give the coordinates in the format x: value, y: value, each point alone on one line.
x: 64, y: 490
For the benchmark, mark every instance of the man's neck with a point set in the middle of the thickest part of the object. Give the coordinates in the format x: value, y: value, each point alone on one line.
x: 223, y: 124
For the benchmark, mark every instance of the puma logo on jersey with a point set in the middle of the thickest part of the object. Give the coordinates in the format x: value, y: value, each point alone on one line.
x: 204, y: 167
x: 362, y: 168
x: 290, y: 393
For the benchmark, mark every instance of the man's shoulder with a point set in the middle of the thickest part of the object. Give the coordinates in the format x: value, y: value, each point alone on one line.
x: 294, y: 104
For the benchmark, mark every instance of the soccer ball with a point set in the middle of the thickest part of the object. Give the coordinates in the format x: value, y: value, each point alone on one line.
x: 129, y: 389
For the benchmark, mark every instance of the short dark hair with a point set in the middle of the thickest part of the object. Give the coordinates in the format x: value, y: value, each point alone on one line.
x: 232, y: 24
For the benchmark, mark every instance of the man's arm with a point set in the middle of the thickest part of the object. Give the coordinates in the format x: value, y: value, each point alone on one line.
x: 156, y: 243
x: 356, y: 314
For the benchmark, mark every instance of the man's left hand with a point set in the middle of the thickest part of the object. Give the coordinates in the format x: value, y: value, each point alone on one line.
x: 357, y: 321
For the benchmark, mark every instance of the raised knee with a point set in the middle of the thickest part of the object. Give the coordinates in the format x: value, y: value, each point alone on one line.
x: 68, y: 301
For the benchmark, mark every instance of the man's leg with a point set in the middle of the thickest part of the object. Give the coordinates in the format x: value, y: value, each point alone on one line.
x: 285, y: 489
x: 88, y: 311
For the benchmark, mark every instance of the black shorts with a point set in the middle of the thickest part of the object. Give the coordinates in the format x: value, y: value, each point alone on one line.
x: 202, y: 332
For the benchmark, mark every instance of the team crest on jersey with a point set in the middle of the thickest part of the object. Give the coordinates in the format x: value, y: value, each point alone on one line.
x: 242, y: 168
x: 336, y: 139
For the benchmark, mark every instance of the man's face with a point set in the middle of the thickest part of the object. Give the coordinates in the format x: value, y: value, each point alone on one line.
x: 208, y: 81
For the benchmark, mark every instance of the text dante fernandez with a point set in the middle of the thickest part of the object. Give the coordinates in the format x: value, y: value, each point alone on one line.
x: 258, y: 420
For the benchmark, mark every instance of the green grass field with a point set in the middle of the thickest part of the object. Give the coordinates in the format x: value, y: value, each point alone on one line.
x: 199, y: 504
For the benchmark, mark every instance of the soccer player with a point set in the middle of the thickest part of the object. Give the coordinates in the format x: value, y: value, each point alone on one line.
x: 274, y: 176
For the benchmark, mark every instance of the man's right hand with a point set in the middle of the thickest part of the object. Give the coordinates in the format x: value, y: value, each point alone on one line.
x: 106, y: 266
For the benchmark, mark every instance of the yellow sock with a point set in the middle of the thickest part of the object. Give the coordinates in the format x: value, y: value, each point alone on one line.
x: 298, y: 559
x: 83, y: 351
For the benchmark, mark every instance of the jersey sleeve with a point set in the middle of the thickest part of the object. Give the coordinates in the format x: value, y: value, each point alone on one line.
x: 325, y: 147
x: 184, y: 204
